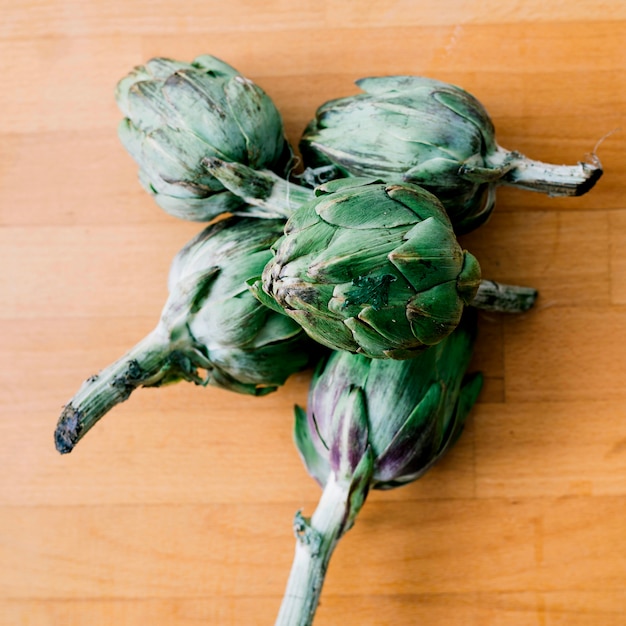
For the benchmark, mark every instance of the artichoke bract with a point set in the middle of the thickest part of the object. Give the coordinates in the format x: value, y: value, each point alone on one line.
x: 371, y: 268
x: 212, y: 330
x: 372, y: 423
x: 177, y: 114
x: 434, y: 134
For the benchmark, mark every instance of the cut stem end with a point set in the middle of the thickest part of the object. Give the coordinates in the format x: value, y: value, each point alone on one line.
x: 553, y: 180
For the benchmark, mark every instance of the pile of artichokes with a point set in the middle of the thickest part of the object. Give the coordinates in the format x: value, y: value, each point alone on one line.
x: 351, y: 267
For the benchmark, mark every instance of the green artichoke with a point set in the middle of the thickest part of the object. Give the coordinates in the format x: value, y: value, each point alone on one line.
x: 212, y: 329
x: 372, y: 423
x: 433, y: 134
x: 371, y: 268
x: 177, y: 114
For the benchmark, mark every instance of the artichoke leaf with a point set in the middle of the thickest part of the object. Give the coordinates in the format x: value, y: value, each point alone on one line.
x: 374, y: 211
x: 350, y: 433
x: 419, y: 201
x: 146, y: 105
x: 416, y: 440
x: 435, y: 313
x: 205, y: 114
x: 339, y: 263
x: 315, y: 464
x: 395, y: 328
x: 259, y: 121
x: 320, y: 328
x: 469, y: 108
x: 255, y: 285
x: 370, y: 342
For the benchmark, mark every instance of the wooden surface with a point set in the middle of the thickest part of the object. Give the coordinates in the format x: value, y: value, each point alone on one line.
x: 176, y: 509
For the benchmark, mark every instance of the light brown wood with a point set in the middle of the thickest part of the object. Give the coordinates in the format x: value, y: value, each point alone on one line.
x: 176, y: 509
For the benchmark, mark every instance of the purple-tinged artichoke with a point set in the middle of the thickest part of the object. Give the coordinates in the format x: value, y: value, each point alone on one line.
x: 372, y: 423
x: 407, y: 413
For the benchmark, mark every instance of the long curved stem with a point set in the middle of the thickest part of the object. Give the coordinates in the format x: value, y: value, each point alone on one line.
x: 150, y: 362
x: 317, y: 539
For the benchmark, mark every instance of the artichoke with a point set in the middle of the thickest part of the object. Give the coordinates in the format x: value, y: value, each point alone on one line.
x: 212, y: 329
x: 409, y: 411
x: 371, y: 268
x: 177, y: 114
x: 424, y: 131
x: 372, y: 423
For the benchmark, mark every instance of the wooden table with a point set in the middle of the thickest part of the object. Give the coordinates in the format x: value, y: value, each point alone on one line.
x: 176, y: 509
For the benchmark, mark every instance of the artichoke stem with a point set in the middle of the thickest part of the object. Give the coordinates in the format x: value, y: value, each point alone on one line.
x: 275, y: 196
x: 143, y: 365
x: 554, y: 180
x: 316, y: 541
x: 501, y: 298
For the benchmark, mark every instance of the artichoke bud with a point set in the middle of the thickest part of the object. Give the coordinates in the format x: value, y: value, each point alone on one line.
x: 371, y: 268
x: 401, y: 415
x: 254, y: 346
x: 178, y: 114
x: 212, y: 329
x: 430, y: 133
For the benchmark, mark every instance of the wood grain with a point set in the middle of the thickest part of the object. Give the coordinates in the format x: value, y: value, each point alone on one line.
x: 176, y: 509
